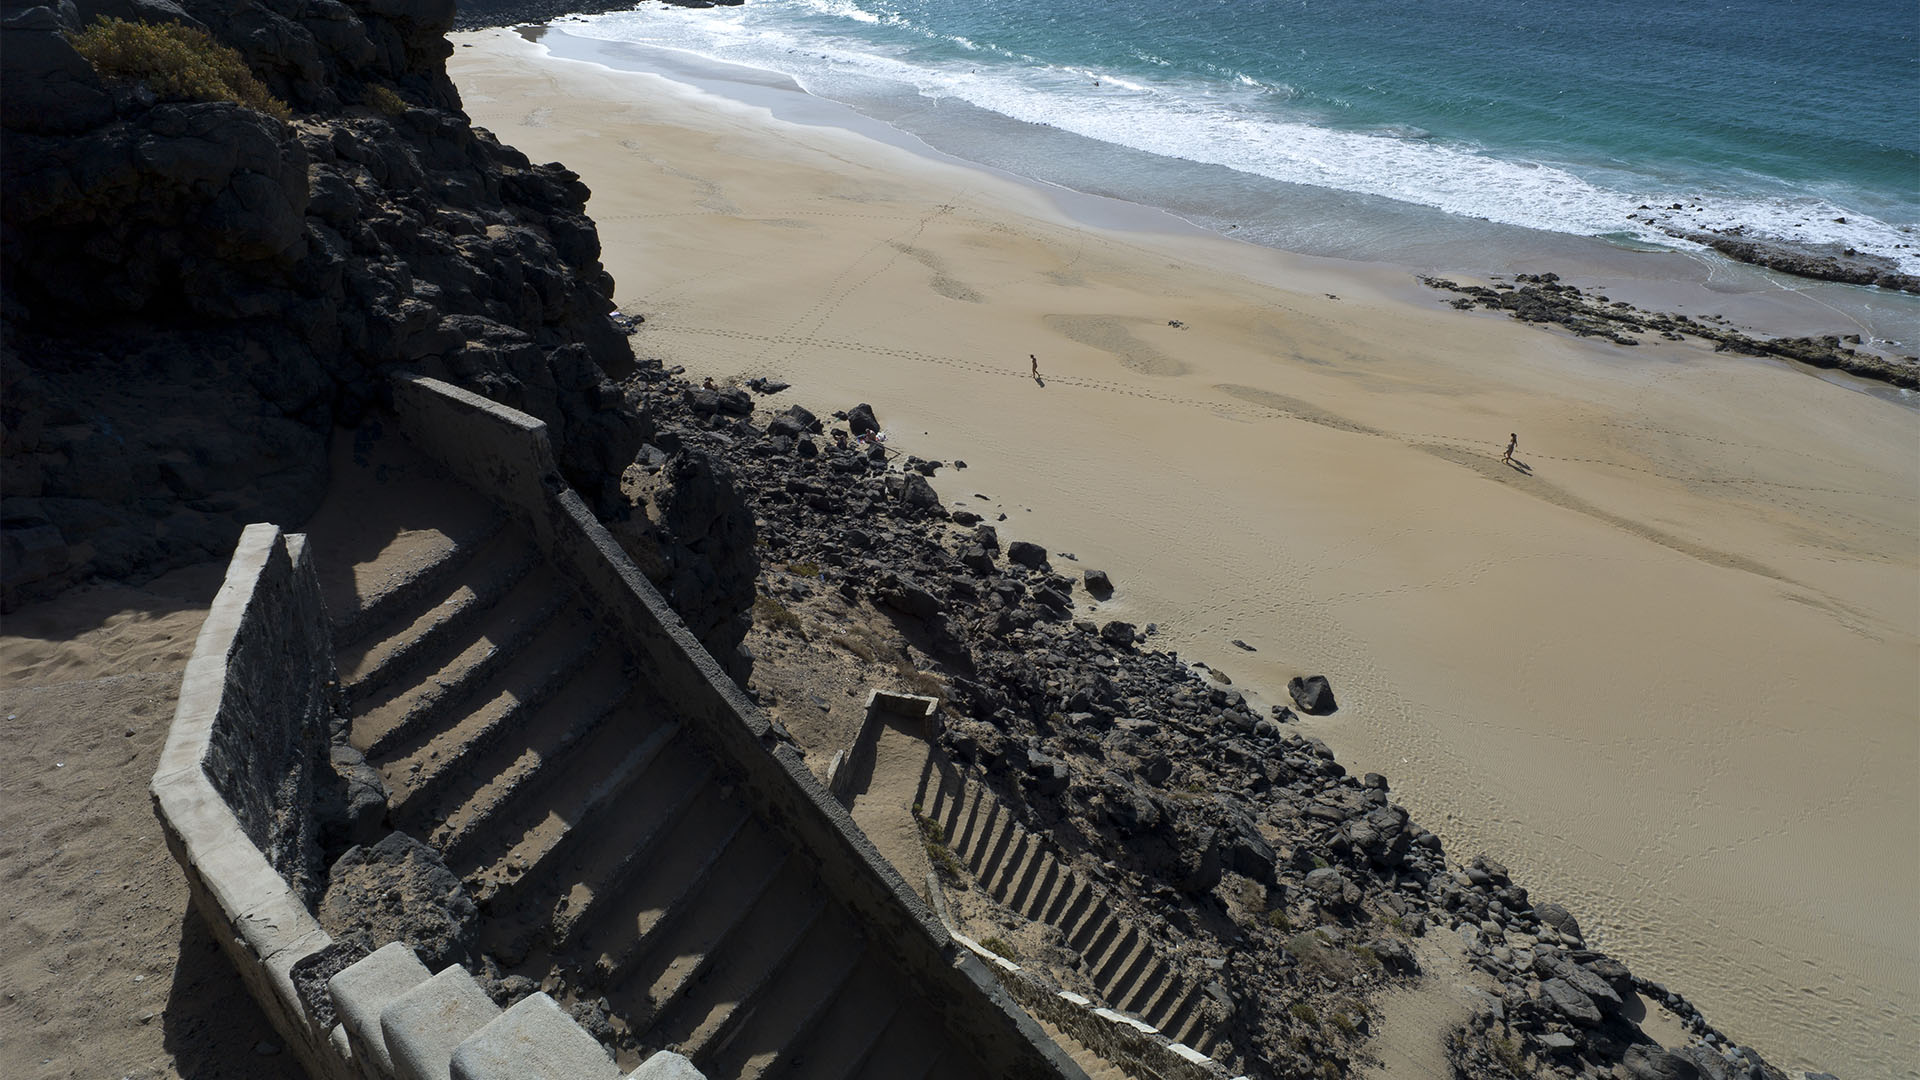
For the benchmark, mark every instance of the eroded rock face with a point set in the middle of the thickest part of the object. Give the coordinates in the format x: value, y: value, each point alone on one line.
x: 400, y: 890
x: 194, y: 293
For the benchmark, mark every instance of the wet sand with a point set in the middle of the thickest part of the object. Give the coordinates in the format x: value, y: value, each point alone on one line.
x: 1668, y: 671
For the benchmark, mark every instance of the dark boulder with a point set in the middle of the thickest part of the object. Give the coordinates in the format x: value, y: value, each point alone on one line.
x: 1097, y: 583
x: 861, y: 421
x: 1118, y: 634
x: 1644, y: 1062
x: 1027, y: 554
x: 1312, y: 694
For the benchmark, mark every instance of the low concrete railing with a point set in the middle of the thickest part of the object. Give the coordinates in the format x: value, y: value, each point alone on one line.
x: 504, y: 454
x: 233, y: 792
x: 1137, y: 1047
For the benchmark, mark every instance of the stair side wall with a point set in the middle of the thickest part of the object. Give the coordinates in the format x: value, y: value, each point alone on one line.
x: 503, y: 454
x: 239, y: 752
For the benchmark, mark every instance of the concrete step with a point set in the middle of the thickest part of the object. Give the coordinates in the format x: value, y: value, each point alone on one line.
x: 1148, y: 989
x: 1107, y: 967
x: 832, y: 1045
x: 907, y: 1050
x: 678, y: 942
x: 1125, y: 984
x: 366, y: 987
x: 444, y: 679
x: 477, y: 832
x: 567, y: 817
x: 445, y: 784
x: 1187, y: 1021
x: 1095, y: 932
x: 756, y: 950
x: 424, y: 1025
x: 1033, y: 883
x: 496, y: 713
x: 473, y: 586
x: 1071, y: 897
x: 635, y: 866
x: 533, y: 1040
x: 365, y: 594
x: 787, y: 1002
x: 712, y: 868
x: 1013, y: 861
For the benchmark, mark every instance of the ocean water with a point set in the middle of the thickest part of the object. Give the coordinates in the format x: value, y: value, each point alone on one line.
x: 1412, y: 130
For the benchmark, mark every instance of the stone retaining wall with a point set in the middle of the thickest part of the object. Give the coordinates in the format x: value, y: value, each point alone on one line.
x: 234, y: 792
x: 504, y: 454
x: 240, y: 749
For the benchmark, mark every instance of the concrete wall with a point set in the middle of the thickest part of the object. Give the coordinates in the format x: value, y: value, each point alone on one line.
x: 504, y: 454
x: 239, y: 747
x: 234, y: 795
x: 1138, y: 1048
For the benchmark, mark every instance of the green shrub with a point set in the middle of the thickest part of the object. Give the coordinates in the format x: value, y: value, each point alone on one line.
x: 178, y: 63
x: 1277, y: 918
x: 775, y: 615
x: 1304, y: 1013
x: 1000, y: 946
x: 385, y: 100
x: 942, y: 858
x: 1507, y: 1052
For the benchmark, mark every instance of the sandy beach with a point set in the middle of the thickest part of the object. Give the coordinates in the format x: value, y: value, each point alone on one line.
x: 1668, y: 670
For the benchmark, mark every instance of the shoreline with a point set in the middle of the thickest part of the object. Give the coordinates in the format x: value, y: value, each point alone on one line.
x: 1759, y: 298
x: 1319, y: 477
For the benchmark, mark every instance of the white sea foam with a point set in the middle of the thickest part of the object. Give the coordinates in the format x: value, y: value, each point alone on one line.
x: 1241, y: 123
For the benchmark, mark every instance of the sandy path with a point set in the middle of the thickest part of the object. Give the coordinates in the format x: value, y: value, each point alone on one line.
x: 104, y: 970
x: 1668, y: 674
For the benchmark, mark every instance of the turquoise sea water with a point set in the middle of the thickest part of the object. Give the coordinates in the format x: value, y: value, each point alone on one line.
x: 1397, y: 129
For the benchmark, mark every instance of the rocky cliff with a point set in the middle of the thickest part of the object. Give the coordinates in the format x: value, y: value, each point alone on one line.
x: 195, y: 292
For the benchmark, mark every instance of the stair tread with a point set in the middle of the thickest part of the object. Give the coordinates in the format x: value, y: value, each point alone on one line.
x: 844, y: 1033
x: 907, y: 1049
x: 710, y: 872
x: 450, y: 782
x: 681, y: 945
x: 754, y: 950
x: 493, y: 568
x: 532, y: 676
x: 565, y: 809
x: 767, y: 1019
x: 637, y: 860
x: 385, y: 722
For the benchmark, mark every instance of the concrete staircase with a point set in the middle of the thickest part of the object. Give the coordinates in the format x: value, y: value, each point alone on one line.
x: 1014, y: 867
x: 602, y: 840
x: 400, y: 1022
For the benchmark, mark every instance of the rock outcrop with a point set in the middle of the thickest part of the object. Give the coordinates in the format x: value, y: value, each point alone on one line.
x: 195, y: 292
x: 1229, y: 854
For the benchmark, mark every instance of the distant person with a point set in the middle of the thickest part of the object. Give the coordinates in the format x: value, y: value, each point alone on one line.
x: 708, y: 385
x: 1513, y: 440
x: 1036, y: 364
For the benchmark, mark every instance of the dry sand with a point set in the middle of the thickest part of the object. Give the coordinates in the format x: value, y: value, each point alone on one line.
x: 1668, y: 673
x: 104, y: 969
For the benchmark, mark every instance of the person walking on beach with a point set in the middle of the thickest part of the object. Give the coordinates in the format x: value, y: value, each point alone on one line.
x: 1036, y: 364
x: 1513, y: 440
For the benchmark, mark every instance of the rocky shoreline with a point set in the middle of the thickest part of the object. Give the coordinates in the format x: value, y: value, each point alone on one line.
x: 1543, y: 298
x: 1296, y: 892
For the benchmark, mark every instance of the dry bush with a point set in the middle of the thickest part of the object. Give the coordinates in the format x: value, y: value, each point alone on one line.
x: 178, y: 63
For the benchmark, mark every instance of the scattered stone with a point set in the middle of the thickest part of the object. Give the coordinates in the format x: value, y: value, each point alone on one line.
x: 1312, y: 694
